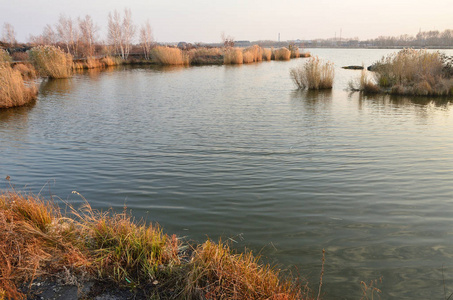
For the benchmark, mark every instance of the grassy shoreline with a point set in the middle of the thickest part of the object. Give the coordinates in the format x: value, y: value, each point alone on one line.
x: 36, y: 239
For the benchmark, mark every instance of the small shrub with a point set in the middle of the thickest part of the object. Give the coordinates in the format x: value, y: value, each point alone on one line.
x: 20, y: 56
x: 282, y: 54
x: 13, y: 91
x: 51, y: 61
x: 169, y: 56
x: 233, y: 56
x: 314, y: 75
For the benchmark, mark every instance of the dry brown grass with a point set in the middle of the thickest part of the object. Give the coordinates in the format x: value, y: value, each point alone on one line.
x: 26, y: 70
x: 233, y: 56
x: 267, y: 54
x: 202, y: 56
x: 217, y: 273
x: 31, y: 241
x: 108, y: 61
x: 252, y: 54
x: 295, y: 53
x: 314, y: 75
x: 92, y: 63
x: 169, y: 56
x: 411, y: 72
x: 51, y: 61
x: 13, y: 91
x: 282, y: 54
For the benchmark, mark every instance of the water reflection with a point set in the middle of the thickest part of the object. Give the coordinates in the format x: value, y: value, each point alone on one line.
x: 312, y: 101
x: 56, y: 86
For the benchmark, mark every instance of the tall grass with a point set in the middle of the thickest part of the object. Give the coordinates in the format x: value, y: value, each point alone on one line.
x: 169, y: 56
x: 26, y: 70
x: 13, y: 91
x: 315, y: 74
x: 282, y: 54
x: 233, y: 56
x: 202, y: 56
x: 414, y: 72
x: 267, y: 54
x: 252, y: 54
x: 51, y: 61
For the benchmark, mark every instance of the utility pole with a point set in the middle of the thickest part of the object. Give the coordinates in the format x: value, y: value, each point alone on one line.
x: 279, y: 37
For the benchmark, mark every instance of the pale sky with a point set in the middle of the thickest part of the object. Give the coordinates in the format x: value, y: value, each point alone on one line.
x: 205, y: 20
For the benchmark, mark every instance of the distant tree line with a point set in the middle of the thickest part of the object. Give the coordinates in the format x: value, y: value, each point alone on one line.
x: 433, y: 38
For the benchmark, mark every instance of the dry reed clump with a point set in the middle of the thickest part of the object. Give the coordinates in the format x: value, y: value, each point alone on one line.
x: 267, y: 54
x: 108, y: 61
x: 364, y: 84
x: 51, y: 61
x: 282, y: 54
x: 314, y: 75
x: 414, y: 72
x: 92, y: 63
x: 252, y: 54
x: 26, y: 70
x: 5, y: 57
x: 202, y: 56
x: 13, y: 91
x: 169, y: 56
x: 233, y: 56
x: 295, y: 53
x: 216, y: 273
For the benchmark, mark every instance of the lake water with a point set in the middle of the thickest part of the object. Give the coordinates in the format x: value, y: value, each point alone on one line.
x: 236, y: 152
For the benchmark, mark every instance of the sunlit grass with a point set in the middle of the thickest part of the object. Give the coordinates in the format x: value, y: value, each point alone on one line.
x: 233, y: 56
x: 169, y: 56
x: 315, y: 74
x: 13, y: 90
x: 51, y: 61
x: 282, y: 54
x: 411, y: 72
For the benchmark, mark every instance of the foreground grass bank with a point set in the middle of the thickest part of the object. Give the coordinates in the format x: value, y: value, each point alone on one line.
x: 37, y: 240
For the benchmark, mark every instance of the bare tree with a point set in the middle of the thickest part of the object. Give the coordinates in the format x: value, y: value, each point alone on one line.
x: 227, y: 40
x: 129, y: 30
x: 49, y: 37
x: 68, y: 34
x: 9, y: 35
x: 115, y: 32
x: 146, y: 38
x: 121, y: 33
x: 88, y: 31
